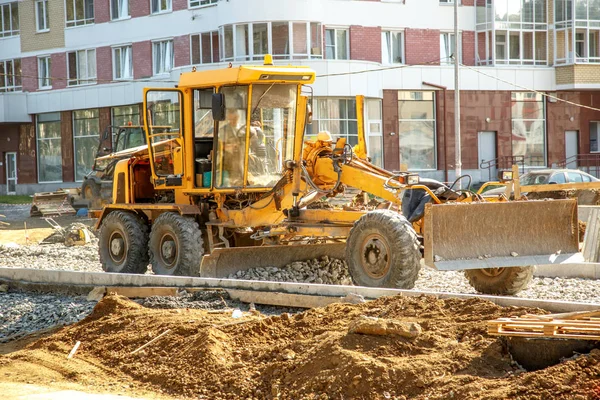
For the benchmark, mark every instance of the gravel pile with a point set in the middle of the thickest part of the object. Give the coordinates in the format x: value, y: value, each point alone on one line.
x: 25, y: 313
x: 325, y: 270
x: 51, y: 256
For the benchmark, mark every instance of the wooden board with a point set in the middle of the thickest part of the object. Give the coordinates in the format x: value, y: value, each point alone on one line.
x: 585, y: 326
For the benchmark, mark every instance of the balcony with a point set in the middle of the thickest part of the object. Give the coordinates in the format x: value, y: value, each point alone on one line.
x: 578, y: 76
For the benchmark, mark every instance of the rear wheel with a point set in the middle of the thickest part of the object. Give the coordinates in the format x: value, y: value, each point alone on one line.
x: 500, y: 281
x: 90, y: 191
x: 382, y: 250
x: 123, y: 243
x: 175, y: 245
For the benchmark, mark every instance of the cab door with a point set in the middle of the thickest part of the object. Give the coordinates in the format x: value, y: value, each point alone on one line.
x: 163, y: 123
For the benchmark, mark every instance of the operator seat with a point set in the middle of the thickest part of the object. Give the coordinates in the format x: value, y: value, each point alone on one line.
x: 414, y: 200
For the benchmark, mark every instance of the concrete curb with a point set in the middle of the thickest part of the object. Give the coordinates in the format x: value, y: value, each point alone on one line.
x: 92, y: 279
x: 580, y: 270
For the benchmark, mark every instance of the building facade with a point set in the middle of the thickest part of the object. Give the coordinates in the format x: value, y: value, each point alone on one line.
x: 530, y: 80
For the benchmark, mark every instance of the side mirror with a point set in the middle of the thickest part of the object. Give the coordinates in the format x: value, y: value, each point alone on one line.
x: 309, y: 114
x: 218, y: 106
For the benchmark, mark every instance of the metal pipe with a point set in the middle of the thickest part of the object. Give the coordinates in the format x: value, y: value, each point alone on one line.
x: 458, y: 166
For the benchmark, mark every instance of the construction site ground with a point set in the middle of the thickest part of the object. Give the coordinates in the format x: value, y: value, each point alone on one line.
x: 311, y: 354
x: 209, y: 353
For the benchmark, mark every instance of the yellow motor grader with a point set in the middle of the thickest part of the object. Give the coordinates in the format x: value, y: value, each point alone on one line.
x: 228, y: 176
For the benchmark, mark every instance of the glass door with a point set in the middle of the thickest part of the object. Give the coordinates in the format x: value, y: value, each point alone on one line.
x: 11, y: 173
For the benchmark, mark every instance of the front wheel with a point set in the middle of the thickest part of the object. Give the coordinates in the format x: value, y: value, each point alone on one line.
x: 123, y: 243
x: 175, y: 245
x: 382, y: 250
x: 500, y: 281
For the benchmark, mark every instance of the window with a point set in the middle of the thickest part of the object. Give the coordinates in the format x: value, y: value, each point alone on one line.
x: 44, y: 72
x: 528, y: 128
x: 200, y: 3
x: 49, y: 154
x: 574, y: 177
x: 447, y: 48
x: 205, y: 48
x: 416, y: 112
x: 81, y: 67
x: 558, y: 178
x: 374, y: 132
x: 594, y: 136
x: 160, y: 6
x: 336, y: 44
x: 122, y: 116
x: 285, y: 40
x: 338, y: 117
x: 10, y: 75
x: 122, y: 62
x: 41, y: 15
x: 9, y: 19
x: 86, y: 128
x: 392, y: 45
x: 119, y: 9
x: 162, y: 56
x: 80, y: 12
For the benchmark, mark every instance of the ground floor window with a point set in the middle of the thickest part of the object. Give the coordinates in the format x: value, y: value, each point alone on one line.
x: 529, y: 128
x: 86, y: 128
x: 594, y: 136
x: 416, y: 130
x: 125, y: 115
x: 49, y: 152
x: 337, y: 116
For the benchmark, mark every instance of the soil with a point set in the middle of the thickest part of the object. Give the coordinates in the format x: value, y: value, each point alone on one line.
x: 310, y: 355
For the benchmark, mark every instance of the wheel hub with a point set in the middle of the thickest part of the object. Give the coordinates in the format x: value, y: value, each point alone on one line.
x: 492, y: 272
x: 168, y: 250
x: 376, y: 256
x: 117, y: 247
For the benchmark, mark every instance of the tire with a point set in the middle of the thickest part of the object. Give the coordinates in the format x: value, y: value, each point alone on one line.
x: 90, y: 189
x: 382, y: 250
x: 176, y: 246
x: 91, y: 192
x: 123, y: 243
x: 500, y: 281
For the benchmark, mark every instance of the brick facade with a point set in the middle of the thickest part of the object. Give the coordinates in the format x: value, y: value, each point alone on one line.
x: 31, y: 39
x: 365, y: 43
x: 139, y: 8
x: 468, y: 47
x: 29, y: 69
x: 180, y: 5
x: 422, y: 46
x: 101, y: 11
x: 104, y: 64
x: 181, y: 47
x: 142, y: 59
x: 59, y: 70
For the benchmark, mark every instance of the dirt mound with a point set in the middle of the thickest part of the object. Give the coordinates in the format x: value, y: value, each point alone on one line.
x: 311, y: 354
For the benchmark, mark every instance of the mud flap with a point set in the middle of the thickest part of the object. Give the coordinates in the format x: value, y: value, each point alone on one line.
x: 510, y: 234
x: 224, y: 262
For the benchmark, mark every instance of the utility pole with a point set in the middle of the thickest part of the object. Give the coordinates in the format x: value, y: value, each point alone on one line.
x: 458, y: 162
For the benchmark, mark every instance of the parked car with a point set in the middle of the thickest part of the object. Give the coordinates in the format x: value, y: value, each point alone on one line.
x: 548, y: 176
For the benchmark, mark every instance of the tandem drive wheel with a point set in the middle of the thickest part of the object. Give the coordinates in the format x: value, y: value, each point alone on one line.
x: 499, y: 281
x: 175, y: 245
x: 382, y: 250
x: 123, y: 243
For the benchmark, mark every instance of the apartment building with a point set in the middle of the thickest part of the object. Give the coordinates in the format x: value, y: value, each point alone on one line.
x: 70, y: 68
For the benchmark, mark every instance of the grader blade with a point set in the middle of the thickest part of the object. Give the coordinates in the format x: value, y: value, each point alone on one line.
x: 224, y: 262
x: 505, y: 234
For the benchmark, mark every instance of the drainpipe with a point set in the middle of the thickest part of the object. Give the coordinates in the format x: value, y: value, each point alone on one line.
x: 443, y: 88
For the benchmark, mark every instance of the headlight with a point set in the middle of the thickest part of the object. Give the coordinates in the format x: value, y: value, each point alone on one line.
x: 506, y: 176
x: 412, y: 180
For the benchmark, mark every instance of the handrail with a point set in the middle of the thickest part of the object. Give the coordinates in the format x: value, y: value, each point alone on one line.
x: 589, y: 163
x: 503, y: 163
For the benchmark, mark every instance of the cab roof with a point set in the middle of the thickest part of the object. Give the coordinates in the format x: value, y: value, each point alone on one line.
x: 247, y: 74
